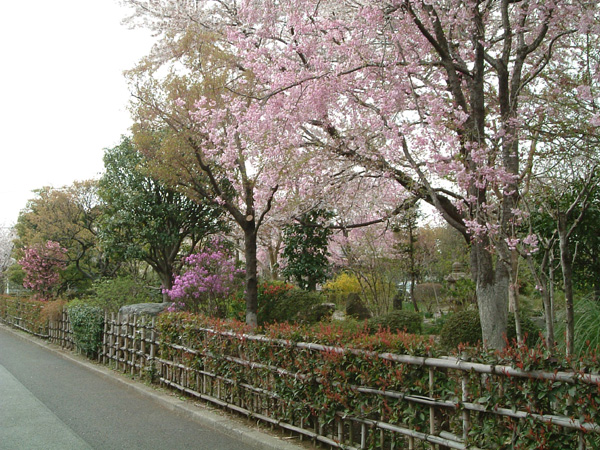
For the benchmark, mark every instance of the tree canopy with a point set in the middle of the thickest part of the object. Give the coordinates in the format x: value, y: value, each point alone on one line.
x: 445, y: 99
x: 144, y: 219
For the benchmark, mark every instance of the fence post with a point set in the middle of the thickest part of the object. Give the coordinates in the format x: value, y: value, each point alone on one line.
x: 465, y: 398
x: 431, y: 408
x: 104, y: 339
x: 143, y: 358
x: 111, y: 350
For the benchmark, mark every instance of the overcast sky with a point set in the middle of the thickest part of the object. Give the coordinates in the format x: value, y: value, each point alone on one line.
x: 63, y: 95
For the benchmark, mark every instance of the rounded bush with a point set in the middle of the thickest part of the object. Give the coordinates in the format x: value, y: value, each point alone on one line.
x: 463, y: 327
x: 395, y: 321
x: 281, y: 302
x: 528, y: 329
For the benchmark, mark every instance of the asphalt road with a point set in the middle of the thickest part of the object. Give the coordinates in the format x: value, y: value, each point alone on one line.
x: 50, y: 400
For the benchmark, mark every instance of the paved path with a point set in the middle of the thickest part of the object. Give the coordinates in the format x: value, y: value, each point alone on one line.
x: 50, y: 400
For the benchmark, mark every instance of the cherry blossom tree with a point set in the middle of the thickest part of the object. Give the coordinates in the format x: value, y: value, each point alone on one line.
x: 213, y: 144
x: 436, y: 96
x: 7, y: 236
x: 42, y: 264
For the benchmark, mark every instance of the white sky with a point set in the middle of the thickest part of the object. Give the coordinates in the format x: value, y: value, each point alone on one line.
x: 63, y: 97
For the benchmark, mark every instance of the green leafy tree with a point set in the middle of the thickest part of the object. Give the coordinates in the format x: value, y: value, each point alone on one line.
x: 145, y: 220
x: 68, y: 216
x: 408, y: 231
x: 587, y: 241
x: 306, y: 249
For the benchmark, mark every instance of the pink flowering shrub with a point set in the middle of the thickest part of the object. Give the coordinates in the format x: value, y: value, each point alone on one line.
x: 42, y: 264
x: 210, y: 279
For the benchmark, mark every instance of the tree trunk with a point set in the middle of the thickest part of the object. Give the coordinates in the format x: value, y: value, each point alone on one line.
x: 413, y: 270
x: 492, y: 296
x: 551, y: 290
x: 566, y: 263
x: 250, y: 245
x: 513, y: 294
x: 543, y: 286
x: 273, y: 263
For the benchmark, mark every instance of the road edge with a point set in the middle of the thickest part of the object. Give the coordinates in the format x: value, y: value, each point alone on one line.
x: 199, y: 413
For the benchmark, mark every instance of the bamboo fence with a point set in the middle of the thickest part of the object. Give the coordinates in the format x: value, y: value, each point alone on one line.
x: 132, y: 345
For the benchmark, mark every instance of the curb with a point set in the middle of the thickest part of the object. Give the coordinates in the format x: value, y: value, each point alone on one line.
x: 197, y: 412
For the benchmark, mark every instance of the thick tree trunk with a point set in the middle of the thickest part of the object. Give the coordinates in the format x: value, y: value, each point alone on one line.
x: 250, y: 245
x: 492, y: 296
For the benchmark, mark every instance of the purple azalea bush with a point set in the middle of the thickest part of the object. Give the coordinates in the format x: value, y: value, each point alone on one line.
x: 210, y: 278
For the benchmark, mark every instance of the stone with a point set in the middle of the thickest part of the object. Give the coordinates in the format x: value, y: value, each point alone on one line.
x: 356, y: 308
x: 144, y: 309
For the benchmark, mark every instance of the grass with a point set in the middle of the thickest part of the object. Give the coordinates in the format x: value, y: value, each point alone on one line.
x: 587, y: 326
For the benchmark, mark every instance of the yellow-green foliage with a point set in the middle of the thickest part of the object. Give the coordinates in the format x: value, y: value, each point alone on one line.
x: 341, y: 286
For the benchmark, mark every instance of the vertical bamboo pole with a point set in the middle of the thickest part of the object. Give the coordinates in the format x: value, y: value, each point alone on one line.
x: 363, y: 436
x: 111, y: 339
x: 465, y: 413
x: 133, y: 343
x: 153, y: 339
x: 119, y: 341
x: 143, y: 359
x: 431, y: 408
x: 104, y: 340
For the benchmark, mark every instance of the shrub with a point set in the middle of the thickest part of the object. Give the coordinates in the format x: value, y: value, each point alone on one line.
x: 53, y: 310
x: 87, y: 322
x: 528, y: 329
x: 407, y: 321
x: 282, y: 302
x: 111, y: 294
x: 463, y: 327
x: 341, y: 286
x: 208, y: 280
